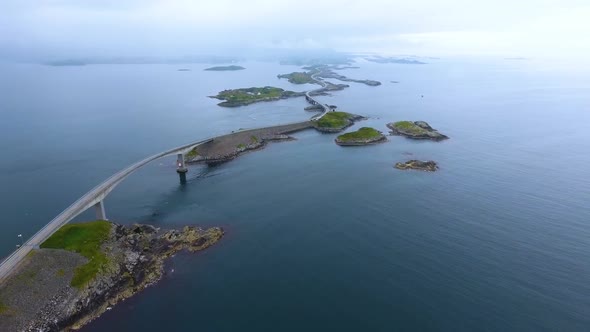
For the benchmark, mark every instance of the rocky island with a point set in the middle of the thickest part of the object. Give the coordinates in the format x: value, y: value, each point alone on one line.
x: 428, y: 166
x: 334, y: 122
x: 84, y: 269
x: 247, y: 96
x: 225, y: 68
x: 415, y: 130
x: 363, y: 136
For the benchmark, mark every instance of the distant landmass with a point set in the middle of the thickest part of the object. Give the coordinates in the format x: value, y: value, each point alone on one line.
x: 225, y: 68
x: 67, y: 63
x: 211, y: 59
x: 404, y: 61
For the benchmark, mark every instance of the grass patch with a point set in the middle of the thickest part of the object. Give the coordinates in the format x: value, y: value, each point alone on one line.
x: 334, y: 120
x: 85, y: 239
x: 363, y: 133
x: 3, y: 308
x: 254, y: 139
x: 409, y: 127
x: 241, y: 146
x: 192, y: 153
x: 26, y: 276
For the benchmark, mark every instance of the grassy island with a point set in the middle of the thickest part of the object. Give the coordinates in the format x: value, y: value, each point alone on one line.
x: 246, y: 96
x: 335, y: 120
x: 85, y: 239
x: 299, y: 78
x: 415, y: 130
x: 225, y: 68
x: 363, y: 136
x: 409, y: 127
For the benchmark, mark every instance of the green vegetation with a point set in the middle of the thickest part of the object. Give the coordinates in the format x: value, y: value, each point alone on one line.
x: 334, y: 120
x: 298, y: 77
x: 192, y: 153
x: 409, y: 127
x: 3, y: 308
x: 225, y: 68
x: 85, y: 239
x: 245, y: 96
x: 364, y: 133
x: 60, y: 273
x: 26, y: 277
x: 241, y: 146
x: 254, y: 139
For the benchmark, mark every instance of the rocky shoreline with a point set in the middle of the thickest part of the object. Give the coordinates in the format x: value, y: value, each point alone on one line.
x: 136, y: 256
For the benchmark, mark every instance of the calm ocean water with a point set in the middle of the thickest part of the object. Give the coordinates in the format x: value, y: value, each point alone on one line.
x: 321, y: 237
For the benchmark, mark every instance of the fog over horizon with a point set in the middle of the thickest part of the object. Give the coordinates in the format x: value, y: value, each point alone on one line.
x: 48, y: 29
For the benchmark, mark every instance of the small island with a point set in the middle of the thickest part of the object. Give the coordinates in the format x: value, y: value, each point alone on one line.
x: 428, y: 166
x: 415, y: 130
x: 334, y: 122
x: 299, y: 78
x: 225, y: 68
x: 363, y: 136
x: 85, y: 268
x: 247, y: 96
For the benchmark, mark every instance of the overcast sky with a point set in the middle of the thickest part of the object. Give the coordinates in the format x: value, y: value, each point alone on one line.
x: 179, y: 27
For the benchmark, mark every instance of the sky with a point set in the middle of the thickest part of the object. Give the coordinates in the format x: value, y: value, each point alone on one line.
x: 519, y: 28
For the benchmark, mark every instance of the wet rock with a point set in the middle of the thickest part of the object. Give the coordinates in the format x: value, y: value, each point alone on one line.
x: 429, y: 166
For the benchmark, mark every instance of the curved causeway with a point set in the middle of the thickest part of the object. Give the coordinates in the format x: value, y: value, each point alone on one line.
x: 96, y: 196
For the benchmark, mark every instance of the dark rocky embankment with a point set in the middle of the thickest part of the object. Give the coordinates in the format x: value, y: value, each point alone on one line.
x: 428, y: 166
x: 40, y: 297
x: 227, y: 147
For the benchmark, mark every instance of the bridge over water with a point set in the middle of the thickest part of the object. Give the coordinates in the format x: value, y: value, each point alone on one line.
x: 95, y: 197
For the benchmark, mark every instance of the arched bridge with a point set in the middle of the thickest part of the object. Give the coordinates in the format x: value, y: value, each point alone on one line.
x: 95, y: 197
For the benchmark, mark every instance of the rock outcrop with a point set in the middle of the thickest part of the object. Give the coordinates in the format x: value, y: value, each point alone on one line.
x: 136, y: 260
x: 429, y: 166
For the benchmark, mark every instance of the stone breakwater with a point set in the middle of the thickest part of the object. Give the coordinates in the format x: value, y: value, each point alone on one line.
x: 40, y: 298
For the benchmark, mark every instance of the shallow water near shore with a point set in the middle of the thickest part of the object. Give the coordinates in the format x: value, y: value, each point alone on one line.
x: 323, y: 237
